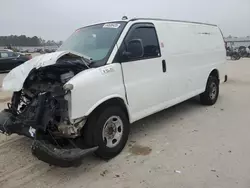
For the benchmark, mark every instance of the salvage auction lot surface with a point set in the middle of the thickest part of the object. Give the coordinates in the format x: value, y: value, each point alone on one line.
x: 188, y: 145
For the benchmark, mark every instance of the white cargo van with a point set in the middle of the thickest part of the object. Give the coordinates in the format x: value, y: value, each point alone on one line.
x: 83, y: 97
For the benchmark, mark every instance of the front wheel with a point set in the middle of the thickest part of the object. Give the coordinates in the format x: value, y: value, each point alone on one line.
x: 210, y: 96
x: 108, y: 129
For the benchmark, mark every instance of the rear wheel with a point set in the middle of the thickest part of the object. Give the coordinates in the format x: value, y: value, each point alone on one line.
x: 210, y: 96
x: 108, y: 129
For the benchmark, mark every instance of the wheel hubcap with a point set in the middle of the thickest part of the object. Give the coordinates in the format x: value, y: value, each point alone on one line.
x: 112, y: 131
x: 213, y: 91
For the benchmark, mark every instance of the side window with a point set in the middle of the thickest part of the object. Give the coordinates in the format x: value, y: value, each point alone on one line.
x: 4, y: 55
x: 11, y: 54
x: 149, y: 40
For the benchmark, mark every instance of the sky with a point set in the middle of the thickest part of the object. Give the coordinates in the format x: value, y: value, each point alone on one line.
x: 57, y: 19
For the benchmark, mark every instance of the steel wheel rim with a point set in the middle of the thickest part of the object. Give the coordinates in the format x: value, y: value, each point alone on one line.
x: 213, y: 91
x: 112, y: 131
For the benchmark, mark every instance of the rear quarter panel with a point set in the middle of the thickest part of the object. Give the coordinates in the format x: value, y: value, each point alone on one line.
x: 191, y: 51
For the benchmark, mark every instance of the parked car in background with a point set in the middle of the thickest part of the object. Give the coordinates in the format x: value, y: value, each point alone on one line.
x: 7, y: 50
x: 24, y: 50
x: 233, y: 54
x: 244, y: 51
x: 10, y: 60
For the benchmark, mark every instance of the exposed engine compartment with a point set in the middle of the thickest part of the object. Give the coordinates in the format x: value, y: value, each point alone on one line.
x: 41, y: 103
x: 41, y: 111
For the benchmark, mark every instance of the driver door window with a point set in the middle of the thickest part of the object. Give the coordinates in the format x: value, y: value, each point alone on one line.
x: 149, y: 40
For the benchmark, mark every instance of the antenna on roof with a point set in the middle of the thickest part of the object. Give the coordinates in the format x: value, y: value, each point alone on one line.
x: 124, y: 18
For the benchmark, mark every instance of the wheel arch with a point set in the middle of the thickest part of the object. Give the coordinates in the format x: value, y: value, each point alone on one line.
x: 108, y: 101
x: 215, y: 73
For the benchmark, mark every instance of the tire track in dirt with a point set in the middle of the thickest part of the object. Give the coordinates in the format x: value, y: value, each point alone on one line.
x: 15, y: 155
x: 25, y: 174
x: 18, y: 165
x: 5, y: 99
x: 19, y: 168
x: 4, y: 139
x: 57, y: 177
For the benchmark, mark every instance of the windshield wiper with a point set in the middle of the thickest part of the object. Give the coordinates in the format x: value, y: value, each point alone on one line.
x: 85, y: 61
x: 84, y: 58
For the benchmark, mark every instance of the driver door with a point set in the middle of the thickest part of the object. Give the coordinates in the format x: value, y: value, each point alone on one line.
x: 144, y: 76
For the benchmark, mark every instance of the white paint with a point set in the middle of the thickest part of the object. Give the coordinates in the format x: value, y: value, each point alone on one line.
x: 178, y: 171
x: 111, y: 25
x: 32, y: 131
x: 93, y: 87
x: 191, y: 52
x: 16, y: 77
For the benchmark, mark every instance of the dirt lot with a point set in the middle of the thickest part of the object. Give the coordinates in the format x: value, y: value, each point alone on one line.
x: 188, y: 146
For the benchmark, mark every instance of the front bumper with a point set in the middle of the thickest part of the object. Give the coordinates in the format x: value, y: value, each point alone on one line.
x: 59, y: 156
x: 41, y: 147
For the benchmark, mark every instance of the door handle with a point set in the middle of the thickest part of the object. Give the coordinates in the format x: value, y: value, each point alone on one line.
x: 164, y: 67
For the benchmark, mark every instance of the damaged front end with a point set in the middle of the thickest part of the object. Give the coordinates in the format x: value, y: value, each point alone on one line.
x: 40, y: 110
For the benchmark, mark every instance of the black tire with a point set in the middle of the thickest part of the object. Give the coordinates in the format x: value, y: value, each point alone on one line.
x: 210, y: 96
x: 93, y: 132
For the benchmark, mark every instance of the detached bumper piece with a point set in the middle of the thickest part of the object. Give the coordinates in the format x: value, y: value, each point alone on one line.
x: 42, y: 148
x: 61, y: 157
x: 9, y: 125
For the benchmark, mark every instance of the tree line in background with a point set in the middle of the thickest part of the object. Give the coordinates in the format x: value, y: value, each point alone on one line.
x: 22, y: 40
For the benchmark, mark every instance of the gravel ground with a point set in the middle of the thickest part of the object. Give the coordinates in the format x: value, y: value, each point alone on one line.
x: 188, y: 145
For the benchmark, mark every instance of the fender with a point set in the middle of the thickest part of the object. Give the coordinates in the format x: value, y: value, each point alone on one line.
x: 93, y: 87
x: 105, y: 99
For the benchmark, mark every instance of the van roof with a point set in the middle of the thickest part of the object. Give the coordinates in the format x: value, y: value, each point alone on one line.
x: 150, y: 19
x: 159, y: 19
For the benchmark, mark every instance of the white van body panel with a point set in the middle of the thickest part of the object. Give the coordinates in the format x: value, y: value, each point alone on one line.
x: 94, y: 86
x: 191, y: 51
x: 144, y: 83
x: 145, y: 86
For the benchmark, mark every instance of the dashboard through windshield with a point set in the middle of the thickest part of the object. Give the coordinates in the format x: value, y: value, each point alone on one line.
x: 96, y: 41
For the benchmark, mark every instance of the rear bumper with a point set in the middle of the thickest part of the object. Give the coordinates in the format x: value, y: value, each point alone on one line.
x: 41, y: 147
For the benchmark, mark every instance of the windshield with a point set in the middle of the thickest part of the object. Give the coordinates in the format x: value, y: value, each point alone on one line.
x: 94, y: 41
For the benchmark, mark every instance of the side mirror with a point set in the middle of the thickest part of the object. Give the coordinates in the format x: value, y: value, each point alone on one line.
x: 134, y: 49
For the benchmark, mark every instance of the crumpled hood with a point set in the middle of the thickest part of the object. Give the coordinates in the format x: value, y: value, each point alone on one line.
x: 16, y: 77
